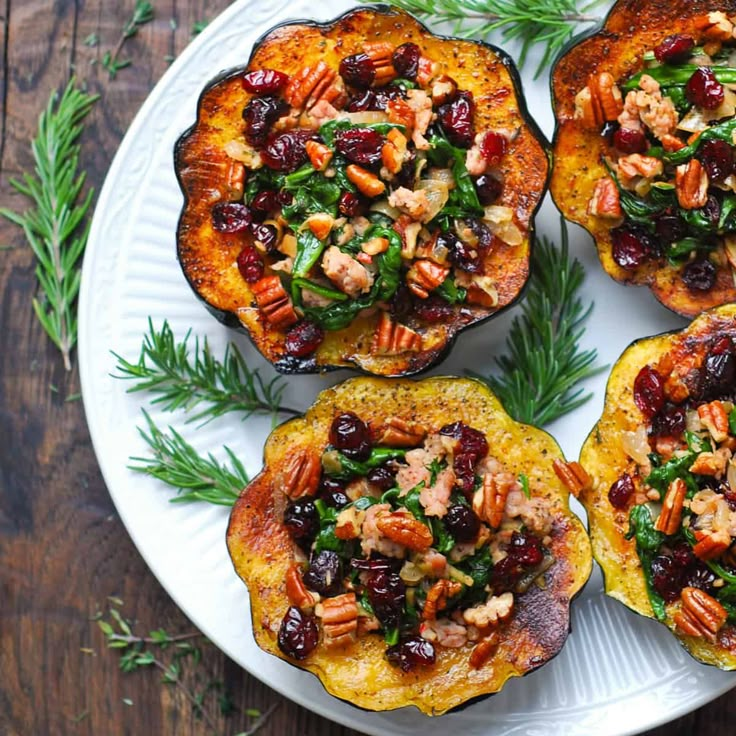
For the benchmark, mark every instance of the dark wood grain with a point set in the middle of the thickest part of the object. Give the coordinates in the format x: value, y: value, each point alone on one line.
x: 63, y: 550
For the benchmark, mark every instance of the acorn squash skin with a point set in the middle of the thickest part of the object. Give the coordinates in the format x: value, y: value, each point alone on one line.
x: 631, y: 27
x: 262, y: 550
x: 602, y: 455
x: 207, y: 256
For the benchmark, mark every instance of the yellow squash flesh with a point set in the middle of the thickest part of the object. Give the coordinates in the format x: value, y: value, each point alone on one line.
x: 207, y: 257
x: 604, y: 458
x: 632, y: 27
x: 262, y: 550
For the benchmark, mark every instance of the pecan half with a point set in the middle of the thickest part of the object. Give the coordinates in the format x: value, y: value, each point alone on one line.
x: 606, y: 201
x: 236, y: 181
x: 484, y: 650
x: 306, y: 81
x: 573, y: 475
x: 339, y: 619
x: 381, y: 53
x: 496, y: 610
x: 670, y: 517
x: 715, y: 26
x: 296, y: 591
x: 599, y: 101
x: 489, y: 501
x: 367, y: 182
x: 711, y: 544
x: 395, y: 432
x: 348, y: 523
x: 437, y: 597
x: 319, y: 154
x: 405, y: 530
x: 393, y: 338
x: 691, y: 185
x: 700, y: 615
x: 706, y: 464
x: 425, y: 276
x: 300, y: 475
x: 274, y: 303
x: 482, y: 291
x: 713, y: 416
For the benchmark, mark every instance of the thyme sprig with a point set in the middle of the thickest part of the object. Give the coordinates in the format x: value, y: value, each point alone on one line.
x: 544, y: 363
x: 176, y: 658
x: 175, y: 462
x: 142, y: 13
x: 549, y: 23
x: 55, y: 226
x: 180, y: 381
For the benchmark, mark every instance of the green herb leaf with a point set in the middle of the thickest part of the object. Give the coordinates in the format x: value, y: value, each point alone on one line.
x: 648, y: 542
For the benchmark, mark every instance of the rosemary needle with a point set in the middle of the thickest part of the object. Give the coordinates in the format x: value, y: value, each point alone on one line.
x: 544, y: 364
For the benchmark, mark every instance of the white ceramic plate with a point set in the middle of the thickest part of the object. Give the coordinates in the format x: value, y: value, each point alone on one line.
x: 618, y: 673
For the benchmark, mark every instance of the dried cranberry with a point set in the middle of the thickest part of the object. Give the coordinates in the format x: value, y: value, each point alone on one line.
x: 456, y: 119
x: 406, y: 60
x: 631, y: 246
x: 683, y: 554
x: 231, y: 217
x: 325, y: 573
x: 630, y: 140
x: 481, y: 232
x: 364, y: 102
x: 264, y: 81
x: 698, y: 575
x: 264, y: 202
x: 266, y: 235
x: 712, y: 210
x: 383, y: 476
x: 301, y: 519
x: 462, y: 522
x: 667, y: 578
x: 350, y: 204
x: 621, y: 491
x: 298, y: 634
x: 250, y: 264
x: 303, y: 339
x: 332, y: 492
x: 287, y: 152
x: 259, y: 115
x: 386, y: 593
x: 375, y: 564
x: 669, y: 422
x: 358, y: 70
x: 493, y: 146
x: 699, y: 275
x: 402, y: 305
x: 670, y: 228
x: 703, y: 89
x: 489, y: 188
x: 284, y: 197
x: 719, y: 369
x: 360, y: 145
x: 525, y: 549
x: 410, y: 652
x: 674, y: 49
x: 433, y: 309
x: 464, y: 467
x: 648, y: 391
x: 349, y: 434
x: 407, y: 174
x: 464, y: 256
x: 608, y: 130
x: 716, y: 156
x: 470, y: 440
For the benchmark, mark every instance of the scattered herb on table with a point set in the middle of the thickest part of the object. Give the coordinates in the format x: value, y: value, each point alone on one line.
x: 198, y: 26
x: 550, y: 23
x: 183, y: 381
x: 142, y: 13
x: 176, y: 658
x: 544, y: 361
x: 55, y: 226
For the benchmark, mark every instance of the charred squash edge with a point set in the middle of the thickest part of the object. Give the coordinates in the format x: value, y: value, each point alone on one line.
x: 621, y: 9
x: 293, y: 365
x: 443, y: 695
x: 617, y: 566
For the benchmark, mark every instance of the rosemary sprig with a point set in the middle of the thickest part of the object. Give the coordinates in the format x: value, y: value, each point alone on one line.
x: 550, y: 23
x: 55, y: 226
x: 544, y: 362
x: 176, y: 658
x: 142, y: 14
x: 164, y: 367
x: 175, y: 462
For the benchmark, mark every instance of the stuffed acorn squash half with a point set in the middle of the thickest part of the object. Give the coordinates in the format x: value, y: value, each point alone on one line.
x: 644, y: 147
x: 360, y: 192
x: 662, y: 505
x: 410, y: 544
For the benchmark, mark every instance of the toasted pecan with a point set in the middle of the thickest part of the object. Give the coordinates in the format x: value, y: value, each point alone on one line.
x: 405, y: 530
x: 700, y: 614
x: 670, y: 517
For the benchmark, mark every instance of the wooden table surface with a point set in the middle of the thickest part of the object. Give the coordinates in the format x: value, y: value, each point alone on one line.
x: 63, y: 549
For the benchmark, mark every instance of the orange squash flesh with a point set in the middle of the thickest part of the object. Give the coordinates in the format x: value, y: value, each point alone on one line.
x: 631, y: 28
x: 604, y: 458
x: 262, y: 550
x: 207, y: 257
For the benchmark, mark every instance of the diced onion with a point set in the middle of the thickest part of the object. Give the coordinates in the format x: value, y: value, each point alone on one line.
x: 731, y: 474
x: 384, y: 208
x: 437, y: 195
x: 367, y: 117
x: 501, y: 223
x: 444, y: 175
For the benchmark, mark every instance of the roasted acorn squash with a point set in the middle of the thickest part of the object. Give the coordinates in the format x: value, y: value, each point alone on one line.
x: 658, y: 228
x: 410, y: 315
x: 357, y: 668
x: 667, y: 398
